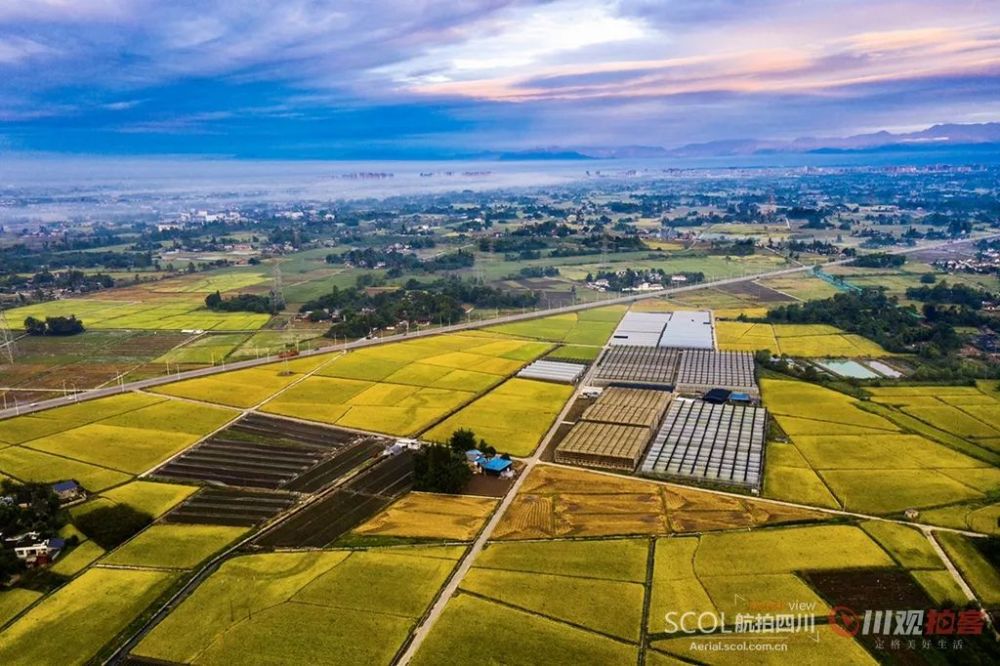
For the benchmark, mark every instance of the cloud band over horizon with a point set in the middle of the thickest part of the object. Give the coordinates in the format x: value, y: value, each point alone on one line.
x: 415, y: 77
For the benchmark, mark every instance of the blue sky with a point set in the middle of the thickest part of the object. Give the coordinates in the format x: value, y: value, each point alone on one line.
x: 413, y: 78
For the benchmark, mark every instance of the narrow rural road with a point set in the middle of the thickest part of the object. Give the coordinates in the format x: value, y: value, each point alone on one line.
x: 504, y: 319
x: 420, y: 633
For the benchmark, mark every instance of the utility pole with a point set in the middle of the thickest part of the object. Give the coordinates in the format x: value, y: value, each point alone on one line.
x: 277, y: 289
x: 6, y: 339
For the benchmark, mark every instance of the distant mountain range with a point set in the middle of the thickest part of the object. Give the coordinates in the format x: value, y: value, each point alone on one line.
x: 946, y: 135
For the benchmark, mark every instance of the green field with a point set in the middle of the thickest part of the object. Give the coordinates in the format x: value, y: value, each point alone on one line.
x: 596, y: 584
x: 208, y: 349
x: 587, y: 327
x: 138, y: 440
x: 244, y: 388
x: 165, y: 313
x: 578, y: 353
x: 169, y: 546
x: 149, y: 497
x: 977, y: 571
x: 457, y: 638
x: 303, y: 607
x: 85, y: 614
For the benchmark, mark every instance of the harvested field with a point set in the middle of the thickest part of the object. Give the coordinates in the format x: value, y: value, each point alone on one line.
x: 563, y: 502
x: 245, y: 464
x: 237, y: 508
x: 431, y: 516
x: 323, y: 521
x: 264, y: 452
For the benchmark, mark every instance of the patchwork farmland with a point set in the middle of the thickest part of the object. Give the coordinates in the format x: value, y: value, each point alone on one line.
x: 289, y: 521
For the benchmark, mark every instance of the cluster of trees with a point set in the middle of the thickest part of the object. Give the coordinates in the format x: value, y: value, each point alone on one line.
x: 538, y: 271
x: 357, y: 313
x: 879, y: 317
x: 53, y: 326
x: 814, y: 247
x: 511, y: 244
x: 399, y: 262
x: 879, y: 260
x: 31, y: 507
x: 242, y: 303
x: 440, y: 468
x: 630, y: 278
x: 72, y: 279
x: 942, y: 292
x: 739, y: 248
x: 22, y: 259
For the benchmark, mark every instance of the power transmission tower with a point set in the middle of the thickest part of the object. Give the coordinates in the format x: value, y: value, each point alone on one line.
x: 277, y: 290
x: 6, y: 339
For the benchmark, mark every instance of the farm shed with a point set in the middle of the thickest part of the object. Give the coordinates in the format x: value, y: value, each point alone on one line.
x: 639, y: 366
x: 553, y: 371
x: 717, y: 396
x: 606, y: 445
x: 494, y: 465
x: 699, y: 441
x: 701, y: 370
x: 640, y: 329
x: 689, y: 330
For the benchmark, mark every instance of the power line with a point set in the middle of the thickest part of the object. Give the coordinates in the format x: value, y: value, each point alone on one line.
x: 6, y: 338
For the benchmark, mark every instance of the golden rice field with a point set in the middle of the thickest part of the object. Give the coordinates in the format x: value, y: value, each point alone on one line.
x: 513, y: 417
x: 303, y: 607
x: 431, y: 516
x: 104, y: 442
x: 399, y: 388
x: 843, y: 456
x: 805, y: 340
x: 86, y: 613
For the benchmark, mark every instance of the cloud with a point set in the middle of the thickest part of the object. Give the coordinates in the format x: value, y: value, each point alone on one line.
x: 509, y: 72
x: 18, y: 50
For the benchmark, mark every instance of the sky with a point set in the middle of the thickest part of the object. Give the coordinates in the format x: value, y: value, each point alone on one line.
x: 418, y: 78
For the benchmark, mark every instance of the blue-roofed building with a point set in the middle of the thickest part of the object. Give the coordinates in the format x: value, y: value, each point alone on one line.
x: 495, y: 465
x: 68, y: 491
